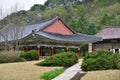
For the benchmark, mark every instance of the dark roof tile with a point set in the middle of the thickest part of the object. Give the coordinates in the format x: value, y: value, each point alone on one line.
x: 14, y: 32
x: 109, y: 33
x: 79, y: 38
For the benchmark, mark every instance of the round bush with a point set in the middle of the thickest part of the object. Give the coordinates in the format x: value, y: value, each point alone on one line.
x: 64, y: 59
x: 30, y: 55
x: 100, y: 60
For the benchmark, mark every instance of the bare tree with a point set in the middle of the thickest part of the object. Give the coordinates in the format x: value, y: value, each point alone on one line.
x: 10, y: 35
x: 1, y: 13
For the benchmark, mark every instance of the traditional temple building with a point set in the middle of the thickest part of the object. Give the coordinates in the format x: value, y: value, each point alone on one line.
x: 50, y: 34
x: 111, y: 39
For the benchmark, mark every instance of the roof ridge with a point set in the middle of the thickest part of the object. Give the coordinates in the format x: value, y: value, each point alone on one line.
x: 106, y: 28
x: 55, y: 18
x: 52, y: 19
x: 68, y: 38
x: 54, y: 33
x: 109, y: 32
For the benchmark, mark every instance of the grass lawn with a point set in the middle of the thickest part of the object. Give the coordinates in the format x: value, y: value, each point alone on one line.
x: 102, y: 75
x: 22, y: 71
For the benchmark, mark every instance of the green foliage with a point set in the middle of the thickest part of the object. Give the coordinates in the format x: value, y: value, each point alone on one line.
x: 64, y: 59
x: 51, y: 74
x: 92, y: 29
x: 100, y: 60
x: 108, y: 19
x: 117, y: 61
x: 10, y: 57
x: 83, y: 26
x: 22, y: 12
x: 87, y: 17
x: 79, y: 24
x: 118, y: 1
x: 30, y: 55
x: 37, y: 7
x: 54, y: 12
x: 101, y: 2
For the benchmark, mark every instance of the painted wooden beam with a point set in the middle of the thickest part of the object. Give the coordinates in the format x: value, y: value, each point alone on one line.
x: 39, y: 50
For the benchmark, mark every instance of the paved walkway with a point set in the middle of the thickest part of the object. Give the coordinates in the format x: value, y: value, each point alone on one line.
x: 70, y: 72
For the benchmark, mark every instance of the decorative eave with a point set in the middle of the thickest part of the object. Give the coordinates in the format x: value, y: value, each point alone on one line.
x: 59, y: 38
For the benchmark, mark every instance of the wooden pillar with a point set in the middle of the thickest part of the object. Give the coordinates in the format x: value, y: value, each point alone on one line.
x: 90, y: 49
x: 39, y: 50
x: 66, y: 49
x: 51, y: 51
x: 78, y: 52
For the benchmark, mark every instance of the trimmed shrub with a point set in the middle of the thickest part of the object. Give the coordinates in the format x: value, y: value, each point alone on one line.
x: 64, y: 59
x: 10, y: 57
x: 100, y: 60
x: 117, y: 61
x: 30, y: 55
x: 51, y: 74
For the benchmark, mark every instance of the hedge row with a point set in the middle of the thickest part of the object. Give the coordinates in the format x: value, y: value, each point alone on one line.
x: 101, y: 60
x: 30, y: 55
x: 10, y: 57
x: 51, y: 74
x: 64, y: 59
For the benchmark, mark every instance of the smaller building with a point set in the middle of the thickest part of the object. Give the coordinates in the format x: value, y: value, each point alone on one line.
x: 111, y: 39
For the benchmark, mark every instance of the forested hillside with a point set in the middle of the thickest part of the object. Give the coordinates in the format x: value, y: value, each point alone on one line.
x: 83, y: 16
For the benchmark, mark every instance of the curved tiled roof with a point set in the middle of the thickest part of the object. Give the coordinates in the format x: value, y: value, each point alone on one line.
x: 77, y: 38
x: 109, y: 33
x: 22, y: 30
x: 14, y: 32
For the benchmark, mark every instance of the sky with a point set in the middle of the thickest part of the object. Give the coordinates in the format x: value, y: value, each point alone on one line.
x: 8, y: 6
